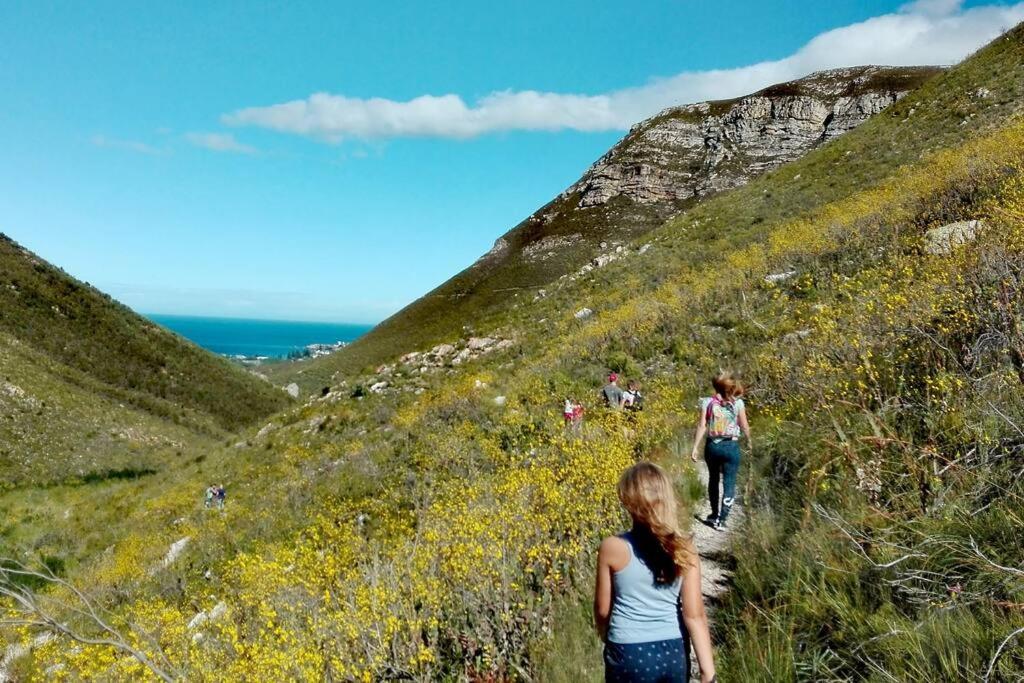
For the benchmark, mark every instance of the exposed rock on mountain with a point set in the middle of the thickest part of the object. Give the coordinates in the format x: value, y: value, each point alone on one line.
x: 944, y: 239
x: 691, y: 151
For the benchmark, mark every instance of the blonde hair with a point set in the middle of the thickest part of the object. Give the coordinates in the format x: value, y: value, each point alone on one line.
x: 647, y: 494
x: 726, y: 384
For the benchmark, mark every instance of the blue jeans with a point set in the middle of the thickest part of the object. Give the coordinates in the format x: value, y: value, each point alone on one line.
x: 723, y: 459
x: 663, y: 661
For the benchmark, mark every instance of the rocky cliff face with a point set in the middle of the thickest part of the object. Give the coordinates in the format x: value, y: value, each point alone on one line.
x: 694, y: 150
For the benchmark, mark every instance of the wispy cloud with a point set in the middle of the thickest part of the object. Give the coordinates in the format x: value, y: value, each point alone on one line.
x: 128, y: 145
x: 922, y: 32
x: 219, y: 142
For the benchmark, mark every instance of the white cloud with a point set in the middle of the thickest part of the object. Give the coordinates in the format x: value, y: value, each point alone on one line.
x: 932, y: 7
x: 129, y: 145
x: 922, y: 32
x: 219, y: 142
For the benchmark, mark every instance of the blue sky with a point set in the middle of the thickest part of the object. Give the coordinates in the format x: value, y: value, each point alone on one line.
x: 335, y: 160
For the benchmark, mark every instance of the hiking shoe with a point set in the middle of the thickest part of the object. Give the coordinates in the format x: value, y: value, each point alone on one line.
x: 720, y: 524
x: 711, y: 521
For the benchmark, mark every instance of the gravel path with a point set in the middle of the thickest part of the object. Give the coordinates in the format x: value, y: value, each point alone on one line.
x: 713, y: 545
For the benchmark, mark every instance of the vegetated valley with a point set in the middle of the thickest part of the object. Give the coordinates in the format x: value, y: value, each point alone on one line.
x: 431, y: 519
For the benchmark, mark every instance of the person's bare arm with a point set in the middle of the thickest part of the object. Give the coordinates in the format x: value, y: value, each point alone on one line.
x: 696, y: 618
x: 745, y: 426
x: 702, y: 429
x: 609, y: 560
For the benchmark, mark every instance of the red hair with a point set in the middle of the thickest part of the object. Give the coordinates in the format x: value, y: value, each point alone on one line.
x: 727, y: 386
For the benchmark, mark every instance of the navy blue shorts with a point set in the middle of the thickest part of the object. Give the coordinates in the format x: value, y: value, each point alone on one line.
x: 662, y: 661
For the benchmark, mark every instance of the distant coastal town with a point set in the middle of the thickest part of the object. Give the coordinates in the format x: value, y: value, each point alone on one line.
x: 307, y: 352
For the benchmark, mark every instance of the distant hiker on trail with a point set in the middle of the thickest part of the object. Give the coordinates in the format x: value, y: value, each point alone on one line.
x: 722, y: 419
x: 647, y: 578
x: 220, y: 495
x: 632, y: 399
x: 211, y: 494
x: 573, y: 415
x: 611, y: 393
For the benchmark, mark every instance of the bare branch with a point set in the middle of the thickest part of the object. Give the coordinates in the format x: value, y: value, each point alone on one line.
x: 40, y: 616
x: 1009, y: 570
x: 999, y: 653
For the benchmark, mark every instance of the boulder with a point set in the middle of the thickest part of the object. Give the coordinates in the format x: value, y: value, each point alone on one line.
x: 215, y: 613
x: 583, y: 314
x: 292, y: 390
x: 266, y: 429
x: 775, y: 278
x: 943, y: 240
x: 462, y: 356
x: 443, y: 350
x: 176, y: 549
x: 378, y: 387
x: 499, y: 401
x: 18, y: 395
x: 315, y: 424
x: 480, y: 343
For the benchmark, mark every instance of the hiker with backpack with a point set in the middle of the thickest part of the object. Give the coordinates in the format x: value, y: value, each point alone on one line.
x: 632, y: 399
x: 648, y: 604
x: 612, y: 394
x: 723, y: 419
x: 215, y: 496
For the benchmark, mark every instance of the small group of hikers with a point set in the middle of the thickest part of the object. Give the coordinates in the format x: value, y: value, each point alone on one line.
x: 215, y: 496
x: 617, y: 399
x: 612, y: 396
x: 648, y: 605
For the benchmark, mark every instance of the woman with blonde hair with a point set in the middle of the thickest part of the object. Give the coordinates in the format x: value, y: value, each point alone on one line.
x: 648, y: 580
x: 723, y: 418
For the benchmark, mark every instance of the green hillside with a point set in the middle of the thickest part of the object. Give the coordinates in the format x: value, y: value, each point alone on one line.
x: 443, y: 526
x: 57, y: 424
x: 132, y: 359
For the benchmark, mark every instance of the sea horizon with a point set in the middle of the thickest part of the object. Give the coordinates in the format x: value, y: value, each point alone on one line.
x: 257, y: 337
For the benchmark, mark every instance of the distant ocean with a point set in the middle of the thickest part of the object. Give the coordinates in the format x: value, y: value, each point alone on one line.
x: 273, y: 338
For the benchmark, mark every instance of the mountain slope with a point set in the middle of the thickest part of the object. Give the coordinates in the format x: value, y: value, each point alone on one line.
x: 664, y: 165
x: 58, y: 424
x: 132, y: 359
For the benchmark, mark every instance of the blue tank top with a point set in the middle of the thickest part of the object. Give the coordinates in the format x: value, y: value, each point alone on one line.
x: 643, y: 611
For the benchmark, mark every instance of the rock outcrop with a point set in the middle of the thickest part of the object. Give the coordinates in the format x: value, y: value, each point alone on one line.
x: 694, y: 150
x: 944, y: 240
